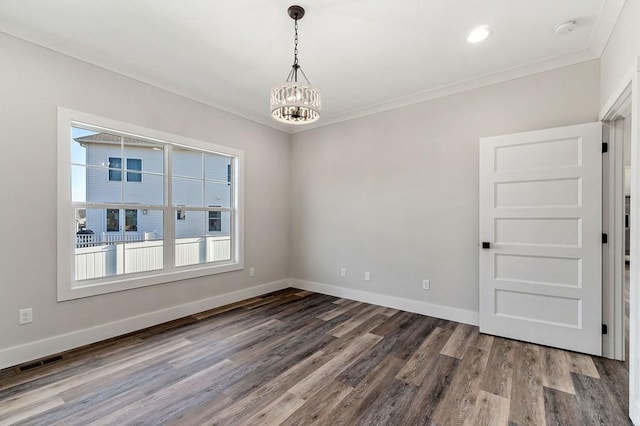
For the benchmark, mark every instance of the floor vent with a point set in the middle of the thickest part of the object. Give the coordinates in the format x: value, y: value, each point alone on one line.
x: 40, y: 363
x: 30, y: 366
x: 52, y: 359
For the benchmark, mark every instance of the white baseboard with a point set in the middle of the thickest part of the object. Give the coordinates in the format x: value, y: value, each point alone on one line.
x: 634, y: 412
x: 424, y: 308
x: 52, y: 345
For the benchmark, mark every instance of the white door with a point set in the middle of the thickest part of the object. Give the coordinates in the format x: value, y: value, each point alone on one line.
x: 541, y: 215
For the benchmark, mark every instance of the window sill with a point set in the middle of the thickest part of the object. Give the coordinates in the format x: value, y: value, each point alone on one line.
x: 107, y: 285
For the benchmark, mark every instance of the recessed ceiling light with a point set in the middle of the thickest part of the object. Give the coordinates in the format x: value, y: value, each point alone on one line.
x: 479, y: 34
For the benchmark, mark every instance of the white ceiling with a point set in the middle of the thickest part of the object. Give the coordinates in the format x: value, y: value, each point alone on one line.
x: 364, y: 56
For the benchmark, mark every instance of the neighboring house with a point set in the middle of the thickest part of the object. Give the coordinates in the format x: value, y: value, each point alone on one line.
x: 197, y: 182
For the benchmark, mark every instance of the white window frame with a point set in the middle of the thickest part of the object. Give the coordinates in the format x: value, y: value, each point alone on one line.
x: 68, y: 287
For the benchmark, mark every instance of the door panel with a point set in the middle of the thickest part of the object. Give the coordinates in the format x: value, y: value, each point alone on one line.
x: 541, y: 212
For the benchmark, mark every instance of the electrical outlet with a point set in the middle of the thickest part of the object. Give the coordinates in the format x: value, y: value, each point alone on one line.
x: 367, y: 276
x: 26, y: 316
x: 252, y: 272
x: 343, y: 272
x: 426, y: 285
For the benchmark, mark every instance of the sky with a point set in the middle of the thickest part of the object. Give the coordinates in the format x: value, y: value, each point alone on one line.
x: 78, y: 160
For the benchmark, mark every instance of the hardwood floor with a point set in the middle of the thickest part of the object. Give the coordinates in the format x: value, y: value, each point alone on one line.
x: 300, y: 358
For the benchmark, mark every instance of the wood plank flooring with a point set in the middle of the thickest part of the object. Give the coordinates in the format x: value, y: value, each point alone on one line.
x: 299, y: 358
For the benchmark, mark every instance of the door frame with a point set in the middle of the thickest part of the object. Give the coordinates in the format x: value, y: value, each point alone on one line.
x: 613, y: 200
x: 630, y: 85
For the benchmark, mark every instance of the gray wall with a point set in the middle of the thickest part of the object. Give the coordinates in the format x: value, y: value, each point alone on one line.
x: 35, y: 81
x: 396, y: 193
x: 393, y: 193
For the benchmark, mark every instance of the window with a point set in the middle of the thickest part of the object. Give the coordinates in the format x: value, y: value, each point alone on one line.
x: 134, y: 167
x: 115, y: 169
x: 200, y: 187
x: 191, y: 223
x: 215, y: 221
x: 134, y: 164
x: 113, y: 220
x: 131, y: 220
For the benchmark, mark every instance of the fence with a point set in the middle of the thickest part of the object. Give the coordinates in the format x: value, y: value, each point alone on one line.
x: 191, y: 251
x: 96, y: 260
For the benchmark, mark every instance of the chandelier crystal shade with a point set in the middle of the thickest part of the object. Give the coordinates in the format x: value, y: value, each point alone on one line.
x: 295, y: 102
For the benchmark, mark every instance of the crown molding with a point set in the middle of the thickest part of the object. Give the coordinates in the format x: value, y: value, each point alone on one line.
x: 556, y: 62
x: 606, y: 22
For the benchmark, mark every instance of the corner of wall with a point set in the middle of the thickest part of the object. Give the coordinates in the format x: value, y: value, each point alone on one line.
x: 423, y: 308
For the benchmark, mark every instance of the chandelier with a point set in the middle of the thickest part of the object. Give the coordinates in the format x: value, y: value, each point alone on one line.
x: 295, y: 102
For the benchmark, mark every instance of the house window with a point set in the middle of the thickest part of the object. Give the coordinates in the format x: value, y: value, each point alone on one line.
x: 215, y: 221
x: 131, y: 220
x: 166, y: 177
x: 115, y: 169
x: 134, y: 169
x: 113, y: 220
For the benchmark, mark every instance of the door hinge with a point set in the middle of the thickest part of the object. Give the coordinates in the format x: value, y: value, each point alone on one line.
x: 605, y: 238
x: 605, y: 147
x: 605, y: 329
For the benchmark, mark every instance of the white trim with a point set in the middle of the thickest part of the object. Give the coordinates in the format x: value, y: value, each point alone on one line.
x: 423, y: 308
x: 548, y: 64
x: 556, y: 62
x: 613, y: 252
x: 605, y: 23
x: 634, y: 302
x: 617, y: 230
x: 589, y: 53
x: 630, y: 86
x: 52, y: 345
x: 634, y: 411
x: 66, y: 284
x: 620, y: 96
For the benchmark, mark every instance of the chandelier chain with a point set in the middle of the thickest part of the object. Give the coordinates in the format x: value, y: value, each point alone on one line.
x: 295, y: 44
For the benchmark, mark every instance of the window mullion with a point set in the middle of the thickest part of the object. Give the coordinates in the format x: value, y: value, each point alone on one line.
x: 122, y: 179
x: 233, y: 207
x: 122, y: 211
x: 169, y: 222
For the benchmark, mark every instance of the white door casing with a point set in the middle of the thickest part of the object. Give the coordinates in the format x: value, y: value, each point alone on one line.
x: 541, y: 212
x: 634, y: 314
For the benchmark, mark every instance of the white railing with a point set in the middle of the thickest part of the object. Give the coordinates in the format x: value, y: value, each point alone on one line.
x: 85, y: 240
x: 98, y: 260
x: 119, y: 238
